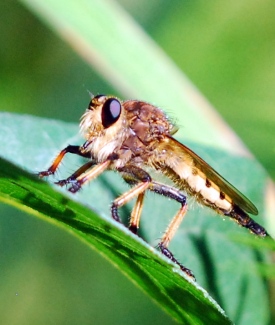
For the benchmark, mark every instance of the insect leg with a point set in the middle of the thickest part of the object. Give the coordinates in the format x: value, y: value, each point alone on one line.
x: 69, y: 149
x: 136, y: 213
x: 88, y: 175
x: 177, y: 195
x: 141, y: 180
x: 126, y: 197
x: 73, y: 178
x: 133, y: 175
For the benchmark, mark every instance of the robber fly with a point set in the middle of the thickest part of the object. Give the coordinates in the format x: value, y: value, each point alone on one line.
x: 131, y: 136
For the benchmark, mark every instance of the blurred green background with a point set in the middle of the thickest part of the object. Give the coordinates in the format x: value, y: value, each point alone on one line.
x: 227, y: 49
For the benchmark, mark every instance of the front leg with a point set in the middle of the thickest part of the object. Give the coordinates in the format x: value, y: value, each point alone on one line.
x: 77, y: 150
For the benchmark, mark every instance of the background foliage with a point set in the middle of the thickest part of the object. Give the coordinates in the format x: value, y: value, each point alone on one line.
x: 227, y: 50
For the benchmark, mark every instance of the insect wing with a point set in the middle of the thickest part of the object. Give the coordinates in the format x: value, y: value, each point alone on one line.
x: 237, y: 197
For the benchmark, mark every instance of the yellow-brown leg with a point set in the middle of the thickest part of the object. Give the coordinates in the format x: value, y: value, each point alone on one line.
x: 69, y: 149
x: 140, y: 180
x: 136, y: 213
x: 73, y: 178
x: 168, y: 235
x: 178, y: 196
x: 89, y: 175
x: 128, y: 196
x: 173, y: 226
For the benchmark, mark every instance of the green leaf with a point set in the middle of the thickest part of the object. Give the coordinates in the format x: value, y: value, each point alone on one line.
x: 129, y: 59
x: 182, y: 299
x: 202, y: 243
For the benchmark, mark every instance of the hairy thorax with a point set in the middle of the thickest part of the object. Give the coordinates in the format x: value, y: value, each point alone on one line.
x: 133, y: 137
x: 148, y: 126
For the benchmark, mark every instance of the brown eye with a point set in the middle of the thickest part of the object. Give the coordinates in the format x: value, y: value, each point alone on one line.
x: 110, y: 112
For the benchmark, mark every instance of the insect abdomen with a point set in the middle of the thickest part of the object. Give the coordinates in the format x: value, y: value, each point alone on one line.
x: 207, y: 192
x: 244, y: 220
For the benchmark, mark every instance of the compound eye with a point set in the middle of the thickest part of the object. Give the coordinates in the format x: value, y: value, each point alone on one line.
x: 110, y: 112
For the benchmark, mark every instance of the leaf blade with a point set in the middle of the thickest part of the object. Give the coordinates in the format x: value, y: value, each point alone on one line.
x: 18, y: 188
x: 34, y: 151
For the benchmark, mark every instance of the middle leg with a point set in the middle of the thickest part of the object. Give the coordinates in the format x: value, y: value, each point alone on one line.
x: 142, y: 181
